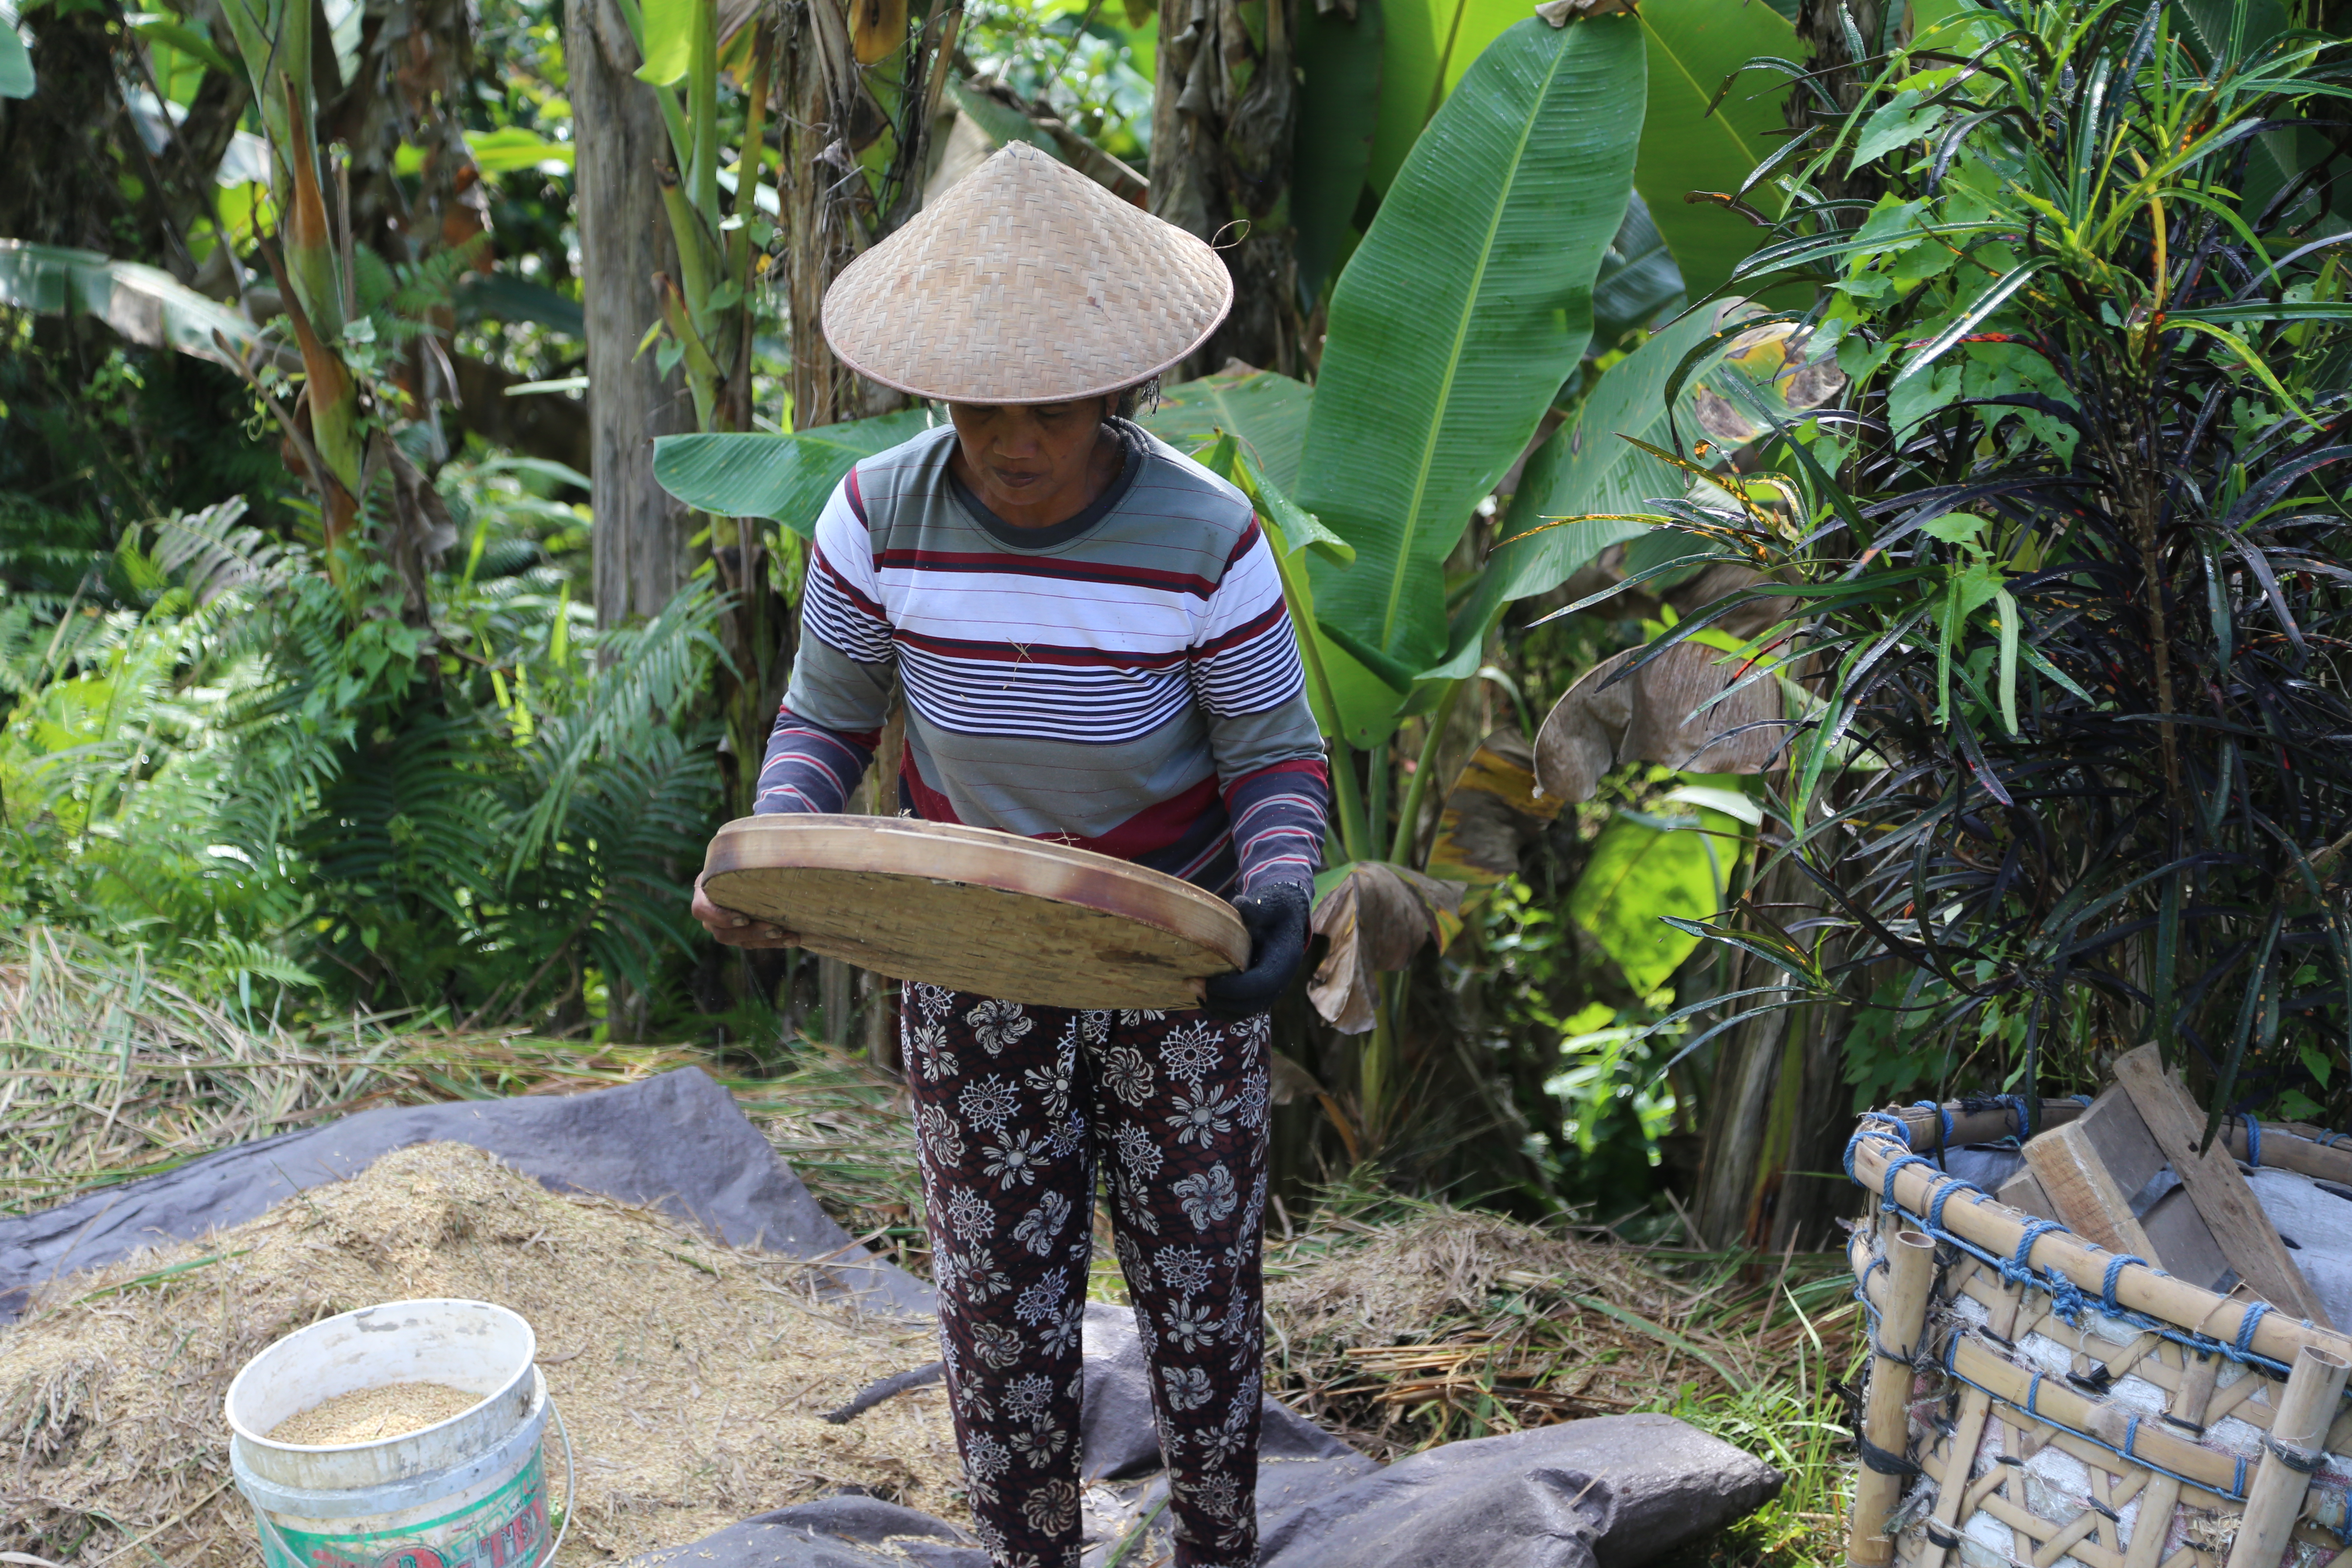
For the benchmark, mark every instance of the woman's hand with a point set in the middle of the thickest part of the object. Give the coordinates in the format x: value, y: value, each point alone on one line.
x: 1277, y: 919
x: 734, y: 929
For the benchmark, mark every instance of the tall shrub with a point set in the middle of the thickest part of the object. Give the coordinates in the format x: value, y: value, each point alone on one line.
x: 2066, y: 577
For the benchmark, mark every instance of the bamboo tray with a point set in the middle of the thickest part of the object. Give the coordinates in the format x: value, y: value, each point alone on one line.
x: 976, y: 910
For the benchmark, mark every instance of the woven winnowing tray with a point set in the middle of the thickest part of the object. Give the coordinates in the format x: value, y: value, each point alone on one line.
x: 2068, y: 1407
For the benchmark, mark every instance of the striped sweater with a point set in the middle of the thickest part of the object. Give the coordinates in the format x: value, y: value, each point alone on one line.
x: 1126, y: 681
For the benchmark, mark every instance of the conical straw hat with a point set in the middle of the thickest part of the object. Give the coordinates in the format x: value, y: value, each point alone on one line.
x: 1026, y: 283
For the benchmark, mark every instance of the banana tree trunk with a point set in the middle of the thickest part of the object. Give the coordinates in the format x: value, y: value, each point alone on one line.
x: 1776, y: 1110
x: 828, y: 215
x: 642, y: 556
x: 1222, y: 118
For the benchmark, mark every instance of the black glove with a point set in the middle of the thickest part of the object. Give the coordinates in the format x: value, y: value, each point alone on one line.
x: 1275, y: 917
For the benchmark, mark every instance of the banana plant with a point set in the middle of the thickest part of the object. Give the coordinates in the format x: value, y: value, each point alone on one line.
x: 707, y: 310
x: 274, y: 41
x: 879, y: 75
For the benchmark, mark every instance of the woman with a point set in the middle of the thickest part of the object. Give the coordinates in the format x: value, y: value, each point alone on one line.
x: 1090, y: 635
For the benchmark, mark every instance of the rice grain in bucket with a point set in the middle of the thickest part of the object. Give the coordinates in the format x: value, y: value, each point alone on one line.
x: 394, y: 1410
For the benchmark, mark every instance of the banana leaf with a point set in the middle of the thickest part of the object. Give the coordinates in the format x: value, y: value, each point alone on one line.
x: 786, y: 477
x: 1264, y: 412
x: 143, y: 304
x: 1338, y: 111
x: 1589, y: 467
x: 1458, y: 318
x: 1428, y: 48
x: 1638, y: 280
x: 1645, y: 868
x: 1350, y: 703
x: 1587, y: 470
x: 1693, y: 45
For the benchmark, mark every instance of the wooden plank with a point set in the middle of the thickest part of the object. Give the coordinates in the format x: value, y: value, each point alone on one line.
x: 2244, y: 1232
x: 2124, y: 1144
x: 2083, y: 1166
x: 2183, y: 1244
x: 2090, y: 1172
x: 2022, y: 1192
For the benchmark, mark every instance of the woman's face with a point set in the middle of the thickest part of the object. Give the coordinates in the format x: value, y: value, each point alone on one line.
x: 1028, y: 461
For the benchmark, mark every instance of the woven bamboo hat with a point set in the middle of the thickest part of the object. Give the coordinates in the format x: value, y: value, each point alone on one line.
x: 1026, y: 283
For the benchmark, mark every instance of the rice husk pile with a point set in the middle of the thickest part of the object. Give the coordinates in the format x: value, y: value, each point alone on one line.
x: 693, y: 1376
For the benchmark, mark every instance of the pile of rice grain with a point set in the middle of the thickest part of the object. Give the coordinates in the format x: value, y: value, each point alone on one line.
x: 693, y: 1376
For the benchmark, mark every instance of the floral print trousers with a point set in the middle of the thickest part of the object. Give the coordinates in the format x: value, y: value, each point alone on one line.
x: 1015, y: 1106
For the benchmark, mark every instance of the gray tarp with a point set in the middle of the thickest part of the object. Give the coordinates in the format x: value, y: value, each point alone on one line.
x: 1616, y: 1492
x: 1610, y: 1493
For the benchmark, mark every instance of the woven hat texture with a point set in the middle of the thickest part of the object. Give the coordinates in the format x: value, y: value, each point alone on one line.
x: 1026, y: 283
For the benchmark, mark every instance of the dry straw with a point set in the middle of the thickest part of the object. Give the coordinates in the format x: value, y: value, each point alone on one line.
x: 1027, y: 282
x: 693, y: 1377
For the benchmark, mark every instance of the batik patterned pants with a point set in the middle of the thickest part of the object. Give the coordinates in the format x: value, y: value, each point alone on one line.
x: 1014, y: 1107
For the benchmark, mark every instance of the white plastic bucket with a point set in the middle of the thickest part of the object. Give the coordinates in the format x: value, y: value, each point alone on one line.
x: 467, y: 1492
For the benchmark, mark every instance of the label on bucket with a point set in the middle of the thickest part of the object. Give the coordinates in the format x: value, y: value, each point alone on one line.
x: 506, y: 1529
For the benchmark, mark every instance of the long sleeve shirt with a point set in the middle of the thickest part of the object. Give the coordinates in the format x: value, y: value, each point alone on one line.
x: 1126, y: 681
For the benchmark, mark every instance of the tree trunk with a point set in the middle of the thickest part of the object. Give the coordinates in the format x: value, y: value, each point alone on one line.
x: 1221, y: 123
x: 63, y: 186
x: 1822, y: 28
x: 642, y: 554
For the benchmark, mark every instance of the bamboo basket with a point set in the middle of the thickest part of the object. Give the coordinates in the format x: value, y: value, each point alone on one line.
x: 2036, y: 1401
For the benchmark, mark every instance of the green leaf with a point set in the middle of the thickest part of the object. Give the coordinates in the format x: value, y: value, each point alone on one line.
x: 1588, y: 466
x: 1693, y: 45
x: 1350, y: 702
x: 1267, y: 413
x: 786, y: 477
x: 155, y: 29
x: 511, y: 148
x: 1462, y: 312
x: 1638, y: 280
x: 1643, y: 869
x: 1427, y: 52
x: 1991, y: 299
x: 2009, y: 615
x: 1899, y: 119
x: 1294, y: 528
x: 16, y: 64
x: 1339, y: 109
x: 143, y: 304
x: 669, y: 41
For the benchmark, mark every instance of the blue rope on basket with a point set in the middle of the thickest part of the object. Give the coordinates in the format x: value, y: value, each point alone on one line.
x: 2107, y: 1286
x: 2068, y: 1299
x: 1944, y: 1196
